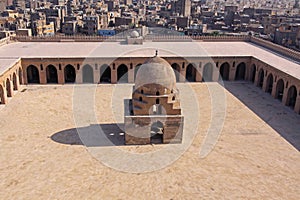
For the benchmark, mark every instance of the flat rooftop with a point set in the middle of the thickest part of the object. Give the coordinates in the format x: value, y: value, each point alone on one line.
x: 41, y: 155
x: 166, y: 49
x: 6, y: 63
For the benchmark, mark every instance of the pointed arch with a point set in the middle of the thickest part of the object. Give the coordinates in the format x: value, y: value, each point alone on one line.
x: 157, y: 131
x: 8, y: 88
x: 136, y: 69
x: 33, y: 75
x: 261, y: 76
x: 269, y: 85
x: 253, y: 73
x: 240, y: 71
x: 105, y: 74
x: 122, y: 73
x: 191, y: 72
x: 69, y: 74
x: 87, y: 74
x: 279, y: 89
x: 51, y: 74
x: 291, y: 97
x: 2, y: 97
x: 15, y: 81
x: 176, y: 69
x: 207, y: 72
x: 224, y: 71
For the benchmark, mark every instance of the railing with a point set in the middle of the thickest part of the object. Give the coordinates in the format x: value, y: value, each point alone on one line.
x: 155, y: 38
x: 295, y: 55
x: 66, y: 38
x: 226, y: 38
x: 4, y: 41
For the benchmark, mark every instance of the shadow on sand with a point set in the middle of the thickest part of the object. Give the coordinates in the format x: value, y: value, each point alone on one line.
x: 92, y: 136
x: 281, y: 118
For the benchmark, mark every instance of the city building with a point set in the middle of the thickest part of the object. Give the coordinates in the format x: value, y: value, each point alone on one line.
x: 90, y: 25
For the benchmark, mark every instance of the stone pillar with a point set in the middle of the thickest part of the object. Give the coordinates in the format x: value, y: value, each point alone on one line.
x: 4, y: 96
x: 21, y: 79
x: 297, y: 105
x: 264, y: 86
x: 114, y: 77
x: 231, y: 72
x: 78, y: 76
x: 199, y: 73
x: 274, y: 89
x: 24, y: 73
x: 216, y: 74
x: 97, y: 75
x: 17, y: 82
x: 256, y: 83
x: 130, y: 74
x: 285, y: 96
x: 248, y: 70
x: 182, y: 72
x: 61, y: 77
x: 43, y: 76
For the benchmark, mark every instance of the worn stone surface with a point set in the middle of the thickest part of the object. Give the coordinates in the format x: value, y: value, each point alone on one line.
x: 251, y: 159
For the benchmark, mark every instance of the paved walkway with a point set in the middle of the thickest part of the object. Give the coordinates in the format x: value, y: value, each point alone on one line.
x: 281, y: 118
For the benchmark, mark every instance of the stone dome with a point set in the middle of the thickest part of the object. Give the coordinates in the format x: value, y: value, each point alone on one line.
x: 134, y: 34
x: 156, y: 71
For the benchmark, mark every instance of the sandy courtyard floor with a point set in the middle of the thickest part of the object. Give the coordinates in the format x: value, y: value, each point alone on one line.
x: 42, y: 157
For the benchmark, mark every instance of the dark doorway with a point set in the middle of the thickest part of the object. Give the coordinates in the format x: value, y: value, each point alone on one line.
x: 240, y: 71
x: 176, y: 69
x: 70, y: 74
x: 269, y: 84
x: 291, y: 97
x: 33, y: 74
x: 261, y: 77
x: 279, y: 90
x: 8, y: 91
x: 105, y: 74
x: 207, y: 73
x: 87, y: 74
x: 191, y: 73
x: 253, y: 73
x: 1, y: 95
x: 224, y: 71
x: 122, y: 73
x: 51, y: 73
x: 15, y: 82
x: 157, y: 131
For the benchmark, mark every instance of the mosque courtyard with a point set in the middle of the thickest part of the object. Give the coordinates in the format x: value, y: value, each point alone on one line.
x: 256, y: 155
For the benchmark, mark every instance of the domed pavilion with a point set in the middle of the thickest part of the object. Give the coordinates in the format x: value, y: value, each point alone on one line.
x: 154, y: 114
